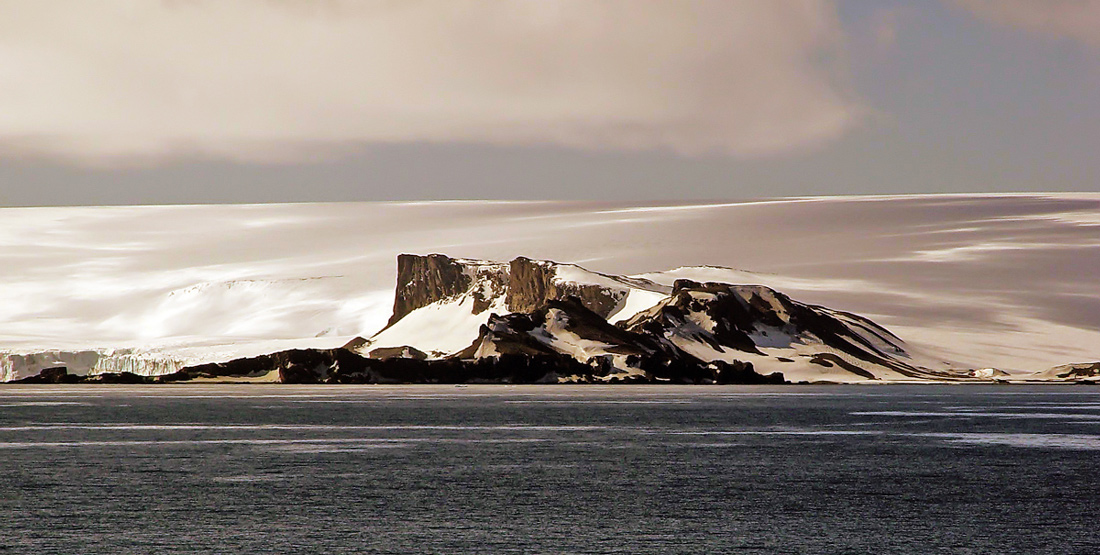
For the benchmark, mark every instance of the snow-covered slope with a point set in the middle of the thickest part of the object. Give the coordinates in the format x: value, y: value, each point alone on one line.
x: 1084, y: 371
x: 589, y: 349
x: 441, y: 302
x: 1005, y: 281
x: 566, y: 327
x: 752, y: 323
x: 531, y: 307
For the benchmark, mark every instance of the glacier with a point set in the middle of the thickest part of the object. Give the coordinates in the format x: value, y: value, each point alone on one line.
x: 978, y: 281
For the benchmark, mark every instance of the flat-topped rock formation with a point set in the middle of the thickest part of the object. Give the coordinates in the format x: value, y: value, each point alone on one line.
x: 524, y: 321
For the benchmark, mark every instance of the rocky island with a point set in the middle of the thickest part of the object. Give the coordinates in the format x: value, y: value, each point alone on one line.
x: 535, y: 321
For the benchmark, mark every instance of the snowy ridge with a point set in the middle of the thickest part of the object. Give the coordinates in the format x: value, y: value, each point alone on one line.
x: 980, y: 281
x: 437, y: 329
x: 564, y: 309
x: 752, y: 323
x: 442, y: 302
x: 567, y: 328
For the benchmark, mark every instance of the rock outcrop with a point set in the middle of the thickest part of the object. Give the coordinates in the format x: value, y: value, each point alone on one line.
x: 55, y: 375
x: 531, y: 283
x: 311, y: 366
x: 398, y: 352
x: 523, y: 284
x: 564, y: 326
x: 440, y: 301
x: 423, y: 280
x: 717, y: 320
x: 450, y: 290
x: 569, y: 328
x: 1076, y: 371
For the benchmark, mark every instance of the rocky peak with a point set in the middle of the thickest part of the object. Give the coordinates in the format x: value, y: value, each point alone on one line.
x: 567, y: 329
x: 710, y: 312
x: 749, y: 317
x: 558, y: 326
x: 522, y: 285
x: 425, y: 279
x: 534, y: 282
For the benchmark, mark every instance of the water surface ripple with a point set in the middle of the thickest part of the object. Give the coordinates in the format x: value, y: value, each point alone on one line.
x: 549, y: 469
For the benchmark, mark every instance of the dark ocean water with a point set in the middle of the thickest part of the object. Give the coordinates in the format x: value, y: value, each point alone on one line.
x: 549, y: 469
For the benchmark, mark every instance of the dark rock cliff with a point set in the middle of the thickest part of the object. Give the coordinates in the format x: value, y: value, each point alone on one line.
x: 423, y: 280
x: 733, y: 322
x: 312, y: 366
x: 531, y: 284
x: 524, y: 284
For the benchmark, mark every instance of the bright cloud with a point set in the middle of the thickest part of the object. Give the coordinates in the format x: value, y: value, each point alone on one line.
x: 114, y: 81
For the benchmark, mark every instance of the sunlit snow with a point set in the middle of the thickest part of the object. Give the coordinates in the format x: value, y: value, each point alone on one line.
x: 985, y: 281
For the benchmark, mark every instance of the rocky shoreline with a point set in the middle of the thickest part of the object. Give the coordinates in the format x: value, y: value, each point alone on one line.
x: 341, y: 366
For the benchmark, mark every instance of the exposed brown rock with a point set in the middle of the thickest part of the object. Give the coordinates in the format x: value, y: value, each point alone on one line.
x: 1078, y: 370
x: 405, y: 351
x: 531, y: 284
x: 59, y: 374
x: 423, y: 280
x: 737, y: 311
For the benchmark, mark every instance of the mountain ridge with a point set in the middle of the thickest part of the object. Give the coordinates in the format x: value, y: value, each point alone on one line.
x: 707, y: 322
x: 528, y: 320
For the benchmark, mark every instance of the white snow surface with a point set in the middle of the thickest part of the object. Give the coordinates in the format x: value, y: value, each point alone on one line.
x: 692, y: 331
x: 562, y: 340
x: 450, y: 325
x: 638, y: 293
x: 438, y: 329
x: 1002, y: 281
x: 636, y: 301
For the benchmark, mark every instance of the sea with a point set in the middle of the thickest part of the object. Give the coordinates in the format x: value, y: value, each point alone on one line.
x: 549, y: 469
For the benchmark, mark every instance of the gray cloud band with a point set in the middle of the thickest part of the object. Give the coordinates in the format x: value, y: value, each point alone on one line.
x: 117, y: 81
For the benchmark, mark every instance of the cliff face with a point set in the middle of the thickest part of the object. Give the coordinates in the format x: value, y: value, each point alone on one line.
x: 553, y: 309
x: 524, y: 284
x: 440, y: 302
x: 423, y: 280
x: 534, y: 282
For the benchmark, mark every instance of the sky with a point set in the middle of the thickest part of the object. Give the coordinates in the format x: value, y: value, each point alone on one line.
x: 205, y: 101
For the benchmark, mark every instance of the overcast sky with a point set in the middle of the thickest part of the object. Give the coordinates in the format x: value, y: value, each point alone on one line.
x: 196, y: 101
